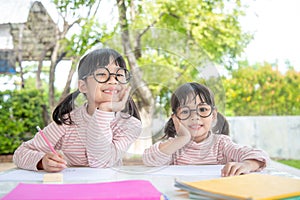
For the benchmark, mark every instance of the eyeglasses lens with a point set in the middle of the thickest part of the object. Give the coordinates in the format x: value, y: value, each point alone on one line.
x: 102, y: 75
x: 203, y: 110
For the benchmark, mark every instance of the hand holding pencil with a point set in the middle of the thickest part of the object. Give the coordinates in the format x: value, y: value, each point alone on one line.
x: 52, y: 161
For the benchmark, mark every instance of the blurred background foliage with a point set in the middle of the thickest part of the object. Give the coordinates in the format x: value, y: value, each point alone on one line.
x: 262, y: 90
x: 173, y: 42
x: 20, y: 112
x: 258, y: 90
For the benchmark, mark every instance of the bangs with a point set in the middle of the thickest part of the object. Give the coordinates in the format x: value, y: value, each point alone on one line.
x: 99, y: 58
x: 189, y: 92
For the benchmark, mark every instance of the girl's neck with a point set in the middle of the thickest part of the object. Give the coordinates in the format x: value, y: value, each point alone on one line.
x: 201, y: 138
x: 90, y: 109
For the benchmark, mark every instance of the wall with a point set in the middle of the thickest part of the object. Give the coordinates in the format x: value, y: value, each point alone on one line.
x: 277, y: 135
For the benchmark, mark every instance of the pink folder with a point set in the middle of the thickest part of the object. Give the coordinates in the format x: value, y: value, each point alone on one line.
x: 124, y: 190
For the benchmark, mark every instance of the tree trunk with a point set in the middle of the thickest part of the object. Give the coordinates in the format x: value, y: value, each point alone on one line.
x: 20, y: 55
x: 146, y: 104
x: 69, y: 80
x: 39, y: 70
x: 45, y: 114
x: 53, y: 64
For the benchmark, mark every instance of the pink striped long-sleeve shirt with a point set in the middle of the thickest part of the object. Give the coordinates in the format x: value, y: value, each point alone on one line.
x: 216, y: 149
x: 99, y: 140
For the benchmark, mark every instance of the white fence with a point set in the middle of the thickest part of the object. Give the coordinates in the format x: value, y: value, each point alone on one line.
x: 279, y: 136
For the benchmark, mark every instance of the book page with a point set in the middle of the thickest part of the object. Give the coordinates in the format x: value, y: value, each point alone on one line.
x: 73, y: 174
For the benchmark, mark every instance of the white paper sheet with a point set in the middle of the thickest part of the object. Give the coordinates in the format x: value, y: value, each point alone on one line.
x: 83, y: 174
x: 190, y: 170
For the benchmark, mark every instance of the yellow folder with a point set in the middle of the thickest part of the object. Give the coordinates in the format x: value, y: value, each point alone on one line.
x: 249, y: 186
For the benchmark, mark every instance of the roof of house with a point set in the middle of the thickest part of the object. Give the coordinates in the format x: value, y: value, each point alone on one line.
x: 26, y: 25
x: 15, y: 11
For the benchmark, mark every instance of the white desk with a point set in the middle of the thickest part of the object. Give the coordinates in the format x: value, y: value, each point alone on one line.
x: 161, y: 177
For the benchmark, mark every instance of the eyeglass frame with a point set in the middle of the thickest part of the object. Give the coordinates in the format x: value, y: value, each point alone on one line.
x: 109, y: 74
x: 192, y: 110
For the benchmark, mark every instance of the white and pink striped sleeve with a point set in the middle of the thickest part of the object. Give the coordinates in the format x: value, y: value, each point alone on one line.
x: 154, y: 157
x: 109, y: 138
x: 237, y: 153
x: 29, y: 153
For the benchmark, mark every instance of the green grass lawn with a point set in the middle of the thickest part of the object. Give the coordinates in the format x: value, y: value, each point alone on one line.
x: 292, y: 163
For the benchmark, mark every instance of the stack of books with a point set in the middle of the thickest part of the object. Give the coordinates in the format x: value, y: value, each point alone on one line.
x: 250, y: 186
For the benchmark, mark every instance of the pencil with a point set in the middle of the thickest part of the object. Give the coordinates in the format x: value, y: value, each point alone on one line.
x: 46, y: 140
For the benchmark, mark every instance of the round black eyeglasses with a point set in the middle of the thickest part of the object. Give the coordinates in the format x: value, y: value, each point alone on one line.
x: 202, y: 110
x: 102, y: 75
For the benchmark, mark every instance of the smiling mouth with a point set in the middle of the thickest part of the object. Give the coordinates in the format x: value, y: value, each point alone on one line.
x: 110, y: 91
x: 196, y: 126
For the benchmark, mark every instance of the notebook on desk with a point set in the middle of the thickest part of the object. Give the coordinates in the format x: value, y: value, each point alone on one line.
x: 249, y: 186
x: 123, y: 190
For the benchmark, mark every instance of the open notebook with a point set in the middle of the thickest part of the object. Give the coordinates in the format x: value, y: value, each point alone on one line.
x: 249, y: 186
x: 123, y: 190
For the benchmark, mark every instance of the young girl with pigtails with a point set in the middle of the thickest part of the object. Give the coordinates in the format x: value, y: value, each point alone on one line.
x: 97, y: 133
x: 190, y: 140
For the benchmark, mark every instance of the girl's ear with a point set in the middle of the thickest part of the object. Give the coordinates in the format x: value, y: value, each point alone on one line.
x: 215, y: 114
x: 82, y: 86
x: 214, y: 118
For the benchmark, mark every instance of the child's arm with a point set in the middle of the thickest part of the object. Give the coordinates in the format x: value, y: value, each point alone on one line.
x: 161, y: 153
x: 238, y: 168
x: 241, y: 159
x: 183, y: 137
x: 108, y: 139
x: 29, y: 154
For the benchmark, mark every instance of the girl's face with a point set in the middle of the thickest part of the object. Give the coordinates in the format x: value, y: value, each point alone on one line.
x: 198, y: 126
x: 97, y: 93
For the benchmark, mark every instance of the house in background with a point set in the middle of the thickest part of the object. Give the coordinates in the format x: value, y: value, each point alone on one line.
x: 27, y: 33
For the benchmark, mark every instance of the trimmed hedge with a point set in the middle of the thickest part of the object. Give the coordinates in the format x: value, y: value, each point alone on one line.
x: 20, y: 112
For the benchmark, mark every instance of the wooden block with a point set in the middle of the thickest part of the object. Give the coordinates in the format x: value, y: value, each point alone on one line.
x: 53, y: 178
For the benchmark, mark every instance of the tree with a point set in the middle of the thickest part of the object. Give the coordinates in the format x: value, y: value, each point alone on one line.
x: 58, y: 52
x: 262, y: 90
x: 78, y: 44
x: 209, y: 32
x: 179, y: 38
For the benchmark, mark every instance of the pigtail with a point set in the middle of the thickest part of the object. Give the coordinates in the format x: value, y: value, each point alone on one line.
x: 61, y: 114
x: 221, y: 126
x: 169, y: 130
x: 131, y: 109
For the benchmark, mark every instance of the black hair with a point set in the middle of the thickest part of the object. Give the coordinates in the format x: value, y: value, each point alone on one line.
x: 222, y: 126
x: 87, y: 65
x: 180, y: 98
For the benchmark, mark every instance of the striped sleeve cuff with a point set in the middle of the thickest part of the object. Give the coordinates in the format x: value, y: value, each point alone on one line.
x: 154, y: 157
x: 104, y: 115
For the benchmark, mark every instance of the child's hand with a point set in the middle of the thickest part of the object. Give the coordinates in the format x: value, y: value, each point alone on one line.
x: 52, y: 162
x: 178, y: 142
x: 115, y: 106
x: 238, y: 168
x: 181, y: 130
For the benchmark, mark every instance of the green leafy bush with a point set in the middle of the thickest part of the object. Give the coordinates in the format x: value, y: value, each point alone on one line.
x: 262, y: 90
x: 20, y: 112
